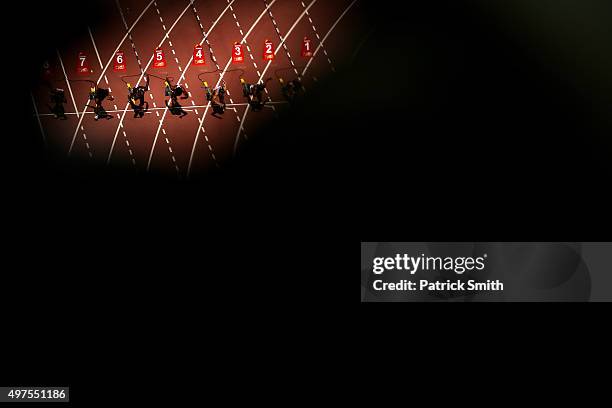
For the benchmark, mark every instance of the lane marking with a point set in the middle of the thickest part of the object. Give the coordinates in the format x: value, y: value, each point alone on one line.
x: 327, y: 35
x: 67, y: 82
x: 149, y: 111
x: 205, y: 38
x: 38, y: 118
x: 229, y: 61
x: 127, y: 105
x: 246, y: 111
x: 314, y: 29
x: 104, y: 71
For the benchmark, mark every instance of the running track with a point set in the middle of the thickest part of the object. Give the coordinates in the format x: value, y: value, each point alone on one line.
x: 190, y: 146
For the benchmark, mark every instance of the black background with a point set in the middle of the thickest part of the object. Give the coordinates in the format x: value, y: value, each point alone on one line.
x: 461, y: 132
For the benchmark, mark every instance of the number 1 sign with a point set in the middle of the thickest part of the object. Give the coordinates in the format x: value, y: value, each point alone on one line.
x: 306, y: 48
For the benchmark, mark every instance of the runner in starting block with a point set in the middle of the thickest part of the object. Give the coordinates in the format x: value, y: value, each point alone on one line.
x: 98, y: 95
x: 58, y: 99
x: 136, y: 98
x: 254, y: 93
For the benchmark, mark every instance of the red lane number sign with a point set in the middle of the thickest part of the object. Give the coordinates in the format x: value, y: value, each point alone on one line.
x: 119, y: 64
x: 237, y: 54
x: 268, y: 51
x: 83, y: 64
x: 198, y: 55
x: 159, y: 59
x: 306, y: 48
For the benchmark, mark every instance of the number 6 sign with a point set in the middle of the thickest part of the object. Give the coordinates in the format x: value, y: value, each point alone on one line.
x: 159, y: 60
x: 237, y: 55
x: 83, y: 64
x: 268, y: 54
x: 119, y: 61
x: 306, y: 48
x: 198, y: 55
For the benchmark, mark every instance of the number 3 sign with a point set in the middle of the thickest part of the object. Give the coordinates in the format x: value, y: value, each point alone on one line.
x: 237, y: 54
x: 119, y: 64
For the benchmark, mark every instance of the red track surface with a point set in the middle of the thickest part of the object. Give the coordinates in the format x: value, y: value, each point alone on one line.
x: 170, y: 145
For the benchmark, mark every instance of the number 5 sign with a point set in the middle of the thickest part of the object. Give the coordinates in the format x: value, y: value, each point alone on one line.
x: 83, y: 64
x: 159, y: 60
x: 198, y: 55
x: 306, y: 48
x: 119, y: 64
x: 237, y: 55
x: 268, y: 54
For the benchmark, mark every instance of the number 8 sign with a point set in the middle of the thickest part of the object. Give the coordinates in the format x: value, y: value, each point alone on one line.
x: 237, y: 55
x: 268, y: 54
x: 119, y: 64
x: 159, y: 60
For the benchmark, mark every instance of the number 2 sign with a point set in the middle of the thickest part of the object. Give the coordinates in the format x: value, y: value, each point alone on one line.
x: 159, y: 60
x: 198, y: 55
x: 119, y: 64
x: 237, y: 54
x: 268, y: 53
x: 83, y: 64
x: 306, y: 48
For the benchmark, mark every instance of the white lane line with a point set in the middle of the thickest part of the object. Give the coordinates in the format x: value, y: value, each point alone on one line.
x: 68, y: 83
x: 246, y: 111
x: 104, y: 71
x: 283, y: 42
x: 229, y: 61
x: 327, y: 35
x: 178, y: 172
x: 204, y: 38
x: 149, y: 111
x: 163, y: 40
x: 38, y: 118
x: 96, y: 49
x: 314, y: 30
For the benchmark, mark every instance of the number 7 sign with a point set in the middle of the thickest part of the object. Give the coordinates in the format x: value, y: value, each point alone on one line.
x: 83, y: 64
x: 268, y: 54
x: 237, y: 54
x: 306, y: 48
x: 119, y: 64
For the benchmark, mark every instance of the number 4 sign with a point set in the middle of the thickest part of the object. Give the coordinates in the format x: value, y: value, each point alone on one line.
x: 268, y: 54
x: 159, y: 60
x: 306, y: 48
x: 119, y: 64
x: 83, y: 64
x: 237, y: 55
x: 198, y: 55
